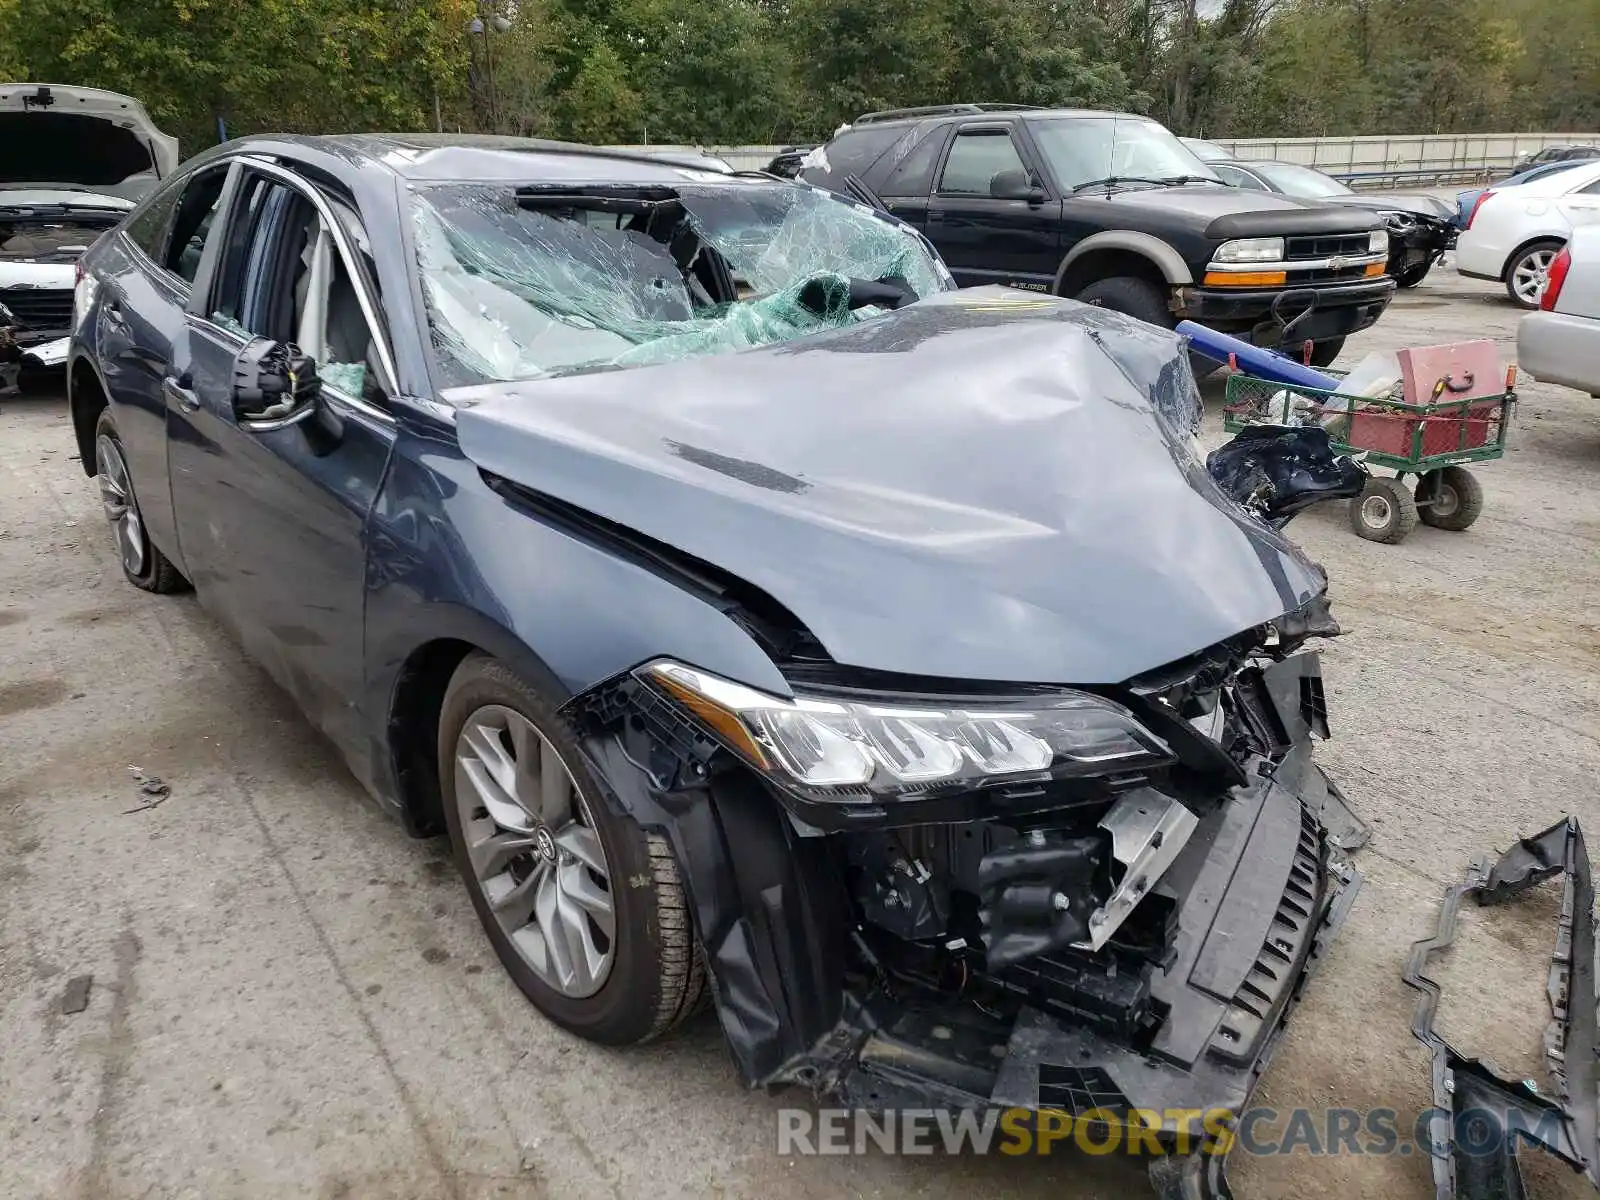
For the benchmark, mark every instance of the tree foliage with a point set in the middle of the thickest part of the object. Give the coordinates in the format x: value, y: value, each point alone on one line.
x: 736, y: 71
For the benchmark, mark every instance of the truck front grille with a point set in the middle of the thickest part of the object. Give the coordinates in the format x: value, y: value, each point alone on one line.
x: 1347, y: 245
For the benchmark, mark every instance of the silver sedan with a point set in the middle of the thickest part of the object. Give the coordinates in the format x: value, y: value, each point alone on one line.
x: 1561, y: 342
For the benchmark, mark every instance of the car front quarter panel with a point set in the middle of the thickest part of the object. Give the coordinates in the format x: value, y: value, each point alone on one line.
x: 449, y: 558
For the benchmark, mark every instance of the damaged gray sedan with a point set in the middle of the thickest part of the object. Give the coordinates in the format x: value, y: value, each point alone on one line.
x: 759, y: 616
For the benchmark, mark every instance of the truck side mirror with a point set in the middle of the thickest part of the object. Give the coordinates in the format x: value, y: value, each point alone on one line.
x: 1016, y: 184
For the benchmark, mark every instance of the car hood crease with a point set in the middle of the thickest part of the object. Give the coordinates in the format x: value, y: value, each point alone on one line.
x: 978, y: 486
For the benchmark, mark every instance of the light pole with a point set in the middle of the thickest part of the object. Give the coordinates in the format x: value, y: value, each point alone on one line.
x: 486, y: 22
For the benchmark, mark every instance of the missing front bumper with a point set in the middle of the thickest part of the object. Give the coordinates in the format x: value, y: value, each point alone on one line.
x: 1261, y: 891
x: 1498, y: 1114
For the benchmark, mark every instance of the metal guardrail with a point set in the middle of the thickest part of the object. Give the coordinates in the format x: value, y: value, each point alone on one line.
x: 1425, y: 177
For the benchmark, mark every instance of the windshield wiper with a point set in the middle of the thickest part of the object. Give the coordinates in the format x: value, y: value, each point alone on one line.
x: 1111, y: 181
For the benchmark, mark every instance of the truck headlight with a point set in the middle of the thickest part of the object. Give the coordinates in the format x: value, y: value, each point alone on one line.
x: 1378, y: 243
x: 868, y: 746
x: 1249, y: 250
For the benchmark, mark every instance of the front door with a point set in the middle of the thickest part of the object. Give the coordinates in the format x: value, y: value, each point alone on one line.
x: 983, y: 237
x: 271, y: 513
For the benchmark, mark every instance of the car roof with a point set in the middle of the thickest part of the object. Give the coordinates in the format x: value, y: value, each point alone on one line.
x: 992, y: 115
x: 444, y: 157
x: 1556, y: 183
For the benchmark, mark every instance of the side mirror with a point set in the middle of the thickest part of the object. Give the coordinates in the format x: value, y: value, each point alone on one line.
x: 1016, y: 185
x: 274, y: 384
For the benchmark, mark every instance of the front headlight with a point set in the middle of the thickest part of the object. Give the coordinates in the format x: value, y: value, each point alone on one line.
x: 1378, y: 243
x: 877, y: 745
x: 1250, y: 250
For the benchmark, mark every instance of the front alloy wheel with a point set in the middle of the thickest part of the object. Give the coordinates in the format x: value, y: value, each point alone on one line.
x: 583, y: 907
x: 536, y: 856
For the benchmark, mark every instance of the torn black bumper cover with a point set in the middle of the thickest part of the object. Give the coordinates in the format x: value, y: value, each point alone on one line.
x: 1491, y: 1116
x: 825, y: 974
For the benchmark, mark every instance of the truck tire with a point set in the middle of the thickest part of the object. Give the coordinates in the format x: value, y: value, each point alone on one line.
x: 1132, y: 296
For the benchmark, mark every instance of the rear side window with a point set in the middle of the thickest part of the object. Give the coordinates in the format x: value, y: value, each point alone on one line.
x: 1238, y: 178
x: 193, y: 223
x: 852, y: 153
x: 914, y: 162
x: 148, y: 226
x: 976, y: 158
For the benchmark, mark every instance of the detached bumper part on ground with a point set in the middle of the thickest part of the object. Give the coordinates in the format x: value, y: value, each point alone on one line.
x: 1480, y: 1102
x: 948, y: 957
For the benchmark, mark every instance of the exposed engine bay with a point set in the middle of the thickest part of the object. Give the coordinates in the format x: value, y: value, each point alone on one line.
x: 41, y: 236
x: 1119, y: 940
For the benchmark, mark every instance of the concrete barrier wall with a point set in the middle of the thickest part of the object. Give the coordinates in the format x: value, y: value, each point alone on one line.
x: 1447, y: 155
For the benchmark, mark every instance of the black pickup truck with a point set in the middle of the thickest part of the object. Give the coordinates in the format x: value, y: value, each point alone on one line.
x: 1112, y: 209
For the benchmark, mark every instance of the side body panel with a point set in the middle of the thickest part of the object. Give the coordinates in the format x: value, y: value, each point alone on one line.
x: 138, y: 316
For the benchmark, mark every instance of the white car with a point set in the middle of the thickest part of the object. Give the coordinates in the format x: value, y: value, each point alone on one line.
x: 1561, y: 342
x: 74, y: 161
x: 1514, y: 232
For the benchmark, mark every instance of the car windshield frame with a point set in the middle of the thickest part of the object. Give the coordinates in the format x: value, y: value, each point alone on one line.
x: 1136, y: 149
x: 533, y: 281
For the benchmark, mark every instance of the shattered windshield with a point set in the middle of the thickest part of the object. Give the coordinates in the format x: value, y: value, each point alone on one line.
x: 527, y: 282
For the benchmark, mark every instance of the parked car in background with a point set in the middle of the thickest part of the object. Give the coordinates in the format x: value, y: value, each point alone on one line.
x: 702, y: 160
x: 1561, y: 342
x: 1552, y: 154
x: 904, y: 686
x: 1421, y: 227
x: 1206, y: 152
x: 786, y: 163
x: 1112, y: 209
x: 72, y: 162
x: 1468, y: 200
x: 1512, y: 236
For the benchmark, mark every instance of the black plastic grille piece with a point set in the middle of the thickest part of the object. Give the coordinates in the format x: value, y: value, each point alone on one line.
x: 1271, y: 980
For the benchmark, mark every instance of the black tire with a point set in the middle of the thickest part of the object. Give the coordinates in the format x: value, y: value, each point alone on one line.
x: 1323, y: 353
x: 1414, y: 274
x: 154, y: 573
x: 1519, y: 260
x: 1132, y: 296
x: 1384, y: 512
x: 1451, y: 499
x: 657, y: 975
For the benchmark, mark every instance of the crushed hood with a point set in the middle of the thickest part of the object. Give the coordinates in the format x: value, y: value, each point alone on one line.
x: 982, y: 486
x: 55, y: 133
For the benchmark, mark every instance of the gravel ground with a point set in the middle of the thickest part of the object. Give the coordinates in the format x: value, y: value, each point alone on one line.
x: 292, y: 998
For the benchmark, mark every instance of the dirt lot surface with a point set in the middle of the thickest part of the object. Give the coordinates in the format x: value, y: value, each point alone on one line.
x: 291, y: 998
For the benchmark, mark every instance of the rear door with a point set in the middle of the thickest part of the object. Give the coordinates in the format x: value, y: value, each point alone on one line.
x: 1583, y: 205
x: 272, y: 515
x: 984, y: 238
x: 145, y: 282
x: 903, y: 177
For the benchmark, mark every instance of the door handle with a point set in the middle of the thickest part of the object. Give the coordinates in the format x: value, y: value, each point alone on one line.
x: 181, y: 389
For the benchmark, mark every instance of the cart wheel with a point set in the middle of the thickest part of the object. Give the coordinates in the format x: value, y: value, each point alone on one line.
x: 1450, y: 498
x: 1384, y: 512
